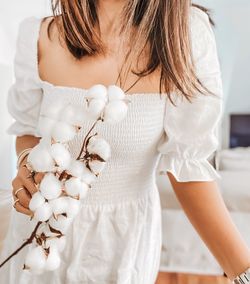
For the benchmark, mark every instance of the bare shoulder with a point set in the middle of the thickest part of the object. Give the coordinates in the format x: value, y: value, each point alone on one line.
x: 48, y: 36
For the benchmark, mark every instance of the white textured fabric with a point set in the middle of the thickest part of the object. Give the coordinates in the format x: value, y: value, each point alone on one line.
x: 117, y: 236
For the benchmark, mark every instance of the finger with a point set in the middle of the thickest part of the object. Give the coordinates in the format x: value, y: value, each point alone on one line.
x: 24, y: 197
x: 19, y: 208
x: 38, y: 177
x: 16, y: 184
x: 27, y: 180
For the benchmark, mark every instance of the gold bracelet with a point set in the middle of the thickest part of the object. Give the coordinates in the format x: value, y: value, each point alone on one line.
x: 22, y: 156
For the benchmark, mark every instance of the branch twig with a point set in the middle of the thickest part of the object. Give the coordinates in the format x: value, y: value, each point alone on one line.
x: 27, y: 242
x: 84, y: 141
x: 33, y: 234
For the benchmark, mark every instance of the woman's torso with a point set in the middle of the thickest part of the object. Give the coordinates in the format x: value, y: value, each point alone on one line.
x: 129, y: 174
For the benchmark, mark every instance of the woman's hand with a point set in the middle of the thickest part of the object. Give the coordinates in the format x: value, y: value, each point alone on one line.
x: 27, y: 185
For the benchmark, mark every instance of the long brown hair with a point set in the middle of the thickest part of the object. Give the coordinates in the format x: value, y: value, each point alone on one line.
x: 163, y: 25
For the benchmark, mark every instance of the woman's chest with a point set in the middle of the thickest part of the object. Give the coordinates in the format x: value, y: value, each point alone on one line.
x: 137, y: 134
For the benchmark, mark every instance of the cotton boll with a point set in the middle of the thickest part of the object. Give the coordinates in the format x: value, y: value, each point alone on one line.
x: 115, y: 111
x: 99, y: 146
x: 59, y: 205
x: 62, y: 223
x: 87, y: 176
x: 73, y: 207
x: 80, y: 116
x: 115, y: 93
x: 63, y: 132
x: 74, y: 115
x: 42, y: 229
x: 50, y: 186
x: 74, y: 187
x: 96, y: 107
x: 98, y: 91
x: 53, y: 261
x: 58, y: 243
x: 54, y: 109
x: 61, y: 155
x: 76, y: 168
x: 43, y: 213
x: 97, y: 166
x: 36, y: 201
x: 35, y: 259
x: 40, y: 159
x: 45, y: 126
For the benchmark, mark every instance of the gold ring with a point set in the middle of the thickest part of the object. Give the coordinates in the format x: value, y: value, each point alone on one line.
x: 28, y: 166
x: 14, y: 204
x: 19, y: 189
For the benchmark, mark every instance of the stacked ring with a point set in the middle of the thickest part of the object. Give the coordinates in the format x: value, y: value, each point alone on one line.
x: 19, y: 189
x: 14, y: 204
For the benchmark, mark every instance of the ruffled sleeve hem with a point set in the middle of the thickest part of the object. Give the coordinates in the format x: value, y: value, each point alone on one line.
x: 185, y: 170
x: 18, y: 129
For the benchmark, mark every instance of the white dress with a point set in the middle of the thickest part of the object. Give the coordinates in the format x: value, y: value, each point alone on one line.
x: 116, y: 238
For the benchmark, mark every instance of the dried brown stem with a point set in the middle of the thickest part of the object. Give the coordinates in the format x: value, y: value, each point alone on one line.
x: 62, y: 175
x: 27, y: 242
x: 86, y: 137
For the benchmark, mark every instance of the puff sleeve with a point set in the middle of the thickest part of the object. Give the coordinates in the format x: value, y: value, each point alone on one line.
x: 25, y: 95
x: 191, y: 129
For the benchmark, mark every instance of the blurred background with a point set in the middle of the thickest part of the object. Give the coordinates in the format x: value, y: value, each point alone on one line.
x: 232, y: 32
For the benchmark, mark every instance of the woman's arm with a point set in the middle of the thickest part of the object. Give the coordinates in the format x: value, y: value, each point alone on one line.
x: 206, y: 210
x: 26, y: 141
x: 22, y: 180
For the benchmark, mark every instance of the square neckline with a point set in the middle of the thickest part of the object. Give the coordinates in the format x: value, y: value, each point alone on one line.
x: 78, y: 89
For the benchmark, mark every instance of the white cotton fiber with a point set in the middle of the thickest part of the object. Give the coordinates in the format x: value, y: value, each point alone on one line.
x: 115, y: 111
x: 53, y: 260
x: 76, y: 168
x: 59, y: 205
x: 61, y: 155
x: 36, y: 201
x: 50, y: 186
x: 63, y: 132
x: 43, y: 213
x: 40, y: 159
x: 95, y: 108
x: 62, y: 223
x: 115, y: 93
x: 99, y: 146
x: 97, y: 166
x: 35, y: 259
x: 97, y: 91
x: 45, y: 126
